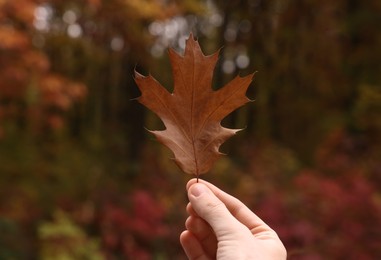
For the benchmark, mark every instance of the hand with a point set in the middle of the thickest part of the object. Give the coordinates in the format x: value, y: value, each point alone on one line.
x: 220, y: 226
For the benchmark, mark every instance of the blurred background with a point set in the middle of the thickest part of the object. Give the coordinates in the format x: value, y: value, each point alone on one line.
x: 80, y: 178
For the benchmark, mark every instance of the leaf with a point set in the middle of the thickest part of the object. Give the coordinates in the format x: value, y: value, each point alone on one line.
x: 192, y: 114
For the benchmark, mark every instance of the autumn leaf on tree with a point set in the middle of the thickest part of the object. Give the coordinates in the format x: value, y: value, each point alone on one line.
x: 192, y: 114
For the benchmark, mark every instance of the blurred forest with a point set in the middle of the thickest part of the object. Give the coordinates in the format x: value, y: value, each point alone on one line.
x: 80, y: 178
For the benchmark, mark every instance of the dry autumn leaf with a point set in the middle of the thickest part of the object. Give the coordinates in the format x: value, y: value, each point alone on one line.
x: 192, y: 114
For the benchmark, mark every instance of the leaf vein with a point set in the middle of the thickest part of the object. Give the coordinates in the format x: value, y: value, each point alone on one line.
x: 173, y: 116
x: 217, y: 108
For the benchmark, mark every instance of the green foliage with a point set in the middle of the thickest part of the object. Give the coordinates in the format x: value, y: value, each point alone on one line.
x: 368, y: 108
x: 12, y: 245
x: 64, y: 240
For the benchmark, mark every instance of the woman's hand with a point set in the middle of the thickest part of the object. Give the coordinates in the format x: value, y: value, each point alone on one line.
x: 220, y: 226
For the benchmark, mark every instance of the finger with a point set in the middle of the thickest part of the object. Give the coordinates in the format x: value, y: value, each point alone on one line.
x: 239, y: 210
x: 214, y: 211
x: 192, y: 246
x: 204, y: 234
x: 190, y: 210
x: 202, y: 231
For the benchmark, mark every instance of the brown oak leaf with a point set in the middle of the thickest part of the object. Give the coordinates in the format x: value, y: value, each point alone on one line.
x: 192, y: 114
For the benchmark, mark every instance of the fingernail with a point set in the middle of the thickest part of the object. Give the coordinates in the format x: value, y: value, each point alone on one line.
x: 198, y: 189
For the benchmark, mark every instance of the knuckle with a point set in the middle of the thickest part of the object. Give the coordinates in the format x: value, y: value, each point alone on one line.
x: 214, y: 208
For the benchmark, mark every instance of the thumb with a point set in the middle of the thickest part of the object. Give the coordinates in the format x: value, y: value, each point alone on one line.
x: 214, y: 211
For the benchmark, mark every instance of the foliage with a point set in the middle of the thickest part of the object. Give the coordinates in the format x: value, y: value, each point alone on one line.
x: 12, y: 245
x: 31, y: 94
x: 322, y: 207
x: 72, y: 144
x: 62, y: 239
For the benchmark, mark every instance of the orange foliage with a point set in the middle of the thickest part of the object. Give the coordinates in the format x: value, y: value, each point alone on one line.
x: 12, y: 40
x: 58, y: 92
x: 26, y: 80
x: 22, y: 10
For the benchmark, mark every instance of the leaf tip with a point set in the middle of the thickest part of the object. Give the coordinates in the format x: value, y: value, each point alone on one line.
x: 191, y: 36
x: 137, y: 75
x: 191, y: 41
x: 134, y: 99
